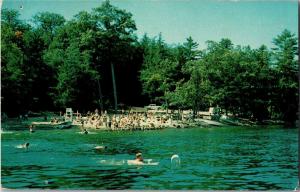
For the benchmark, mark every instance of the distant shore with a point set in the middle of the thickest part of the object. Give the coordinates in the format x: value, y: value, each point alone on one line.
x: 150, y: 120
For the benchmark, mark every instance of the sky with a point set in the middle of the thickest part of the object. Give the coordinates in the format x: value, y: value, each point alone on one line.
x: 245, y: 22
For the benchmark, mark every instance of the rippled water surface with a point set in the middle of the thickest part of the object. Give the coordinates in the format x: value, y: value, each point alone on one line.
x: 259, y: 158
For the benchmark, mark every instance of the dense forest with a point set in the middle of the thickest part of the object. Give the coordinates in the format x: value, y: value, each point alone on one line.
x: 96, y: 60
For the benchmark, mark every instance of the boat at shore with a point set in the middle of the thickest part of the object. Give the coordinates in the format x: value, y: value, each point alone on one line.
x: 65, y: 125
x: 55, y: 125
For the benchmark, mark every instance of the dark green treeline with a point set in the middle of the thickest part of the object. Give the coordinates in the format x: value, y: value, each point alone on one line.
x: 95, y: 60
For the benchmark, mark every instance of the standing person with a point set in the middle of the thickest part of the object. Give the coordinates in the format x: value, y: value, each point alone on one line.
x: 31, y: 128
x: 108, y: 121
x: 26, y: 116
x: 105, y: 121
x: 82, y: 123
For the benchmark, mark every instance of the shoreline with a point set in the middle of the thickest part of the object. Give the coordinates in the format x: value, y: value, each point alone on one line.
x: 112, y: 122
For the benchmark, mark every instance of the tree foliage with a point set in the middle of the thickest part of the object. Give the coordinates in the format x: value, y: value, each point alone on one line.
x: 95, y: 60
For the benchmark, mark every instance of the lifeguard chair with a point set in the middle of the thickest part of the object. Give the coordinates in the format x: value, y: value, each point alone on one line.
x: 69, y: 115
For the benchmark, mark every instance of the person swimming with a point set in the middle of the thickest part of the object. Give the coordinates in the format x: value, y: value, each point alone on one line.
x: 139, y: 157
x: 31, y: 129
x: 23, y: 146
x: 137, y: 161
x: 100, y: 147
x: 140, y: 161
x: 26, y: 145
x: 85, y: 131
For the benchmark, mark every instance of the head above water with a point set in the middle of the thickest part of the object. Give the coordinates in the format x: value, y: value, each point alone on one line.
x: 138, y: 155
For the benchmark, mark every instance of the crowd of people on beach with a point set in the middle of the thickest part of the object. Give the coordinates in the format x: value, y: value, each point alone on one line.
x: 122, y: 120
x: 133, y: 120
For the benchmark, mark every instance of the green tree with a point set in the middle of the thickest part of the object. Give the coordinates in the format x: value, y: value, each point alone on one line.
x: 72, y: 55
x: 158, y: 70
x: 193, y: 93
x: 191, y: 51
x: 47, y: 23
x: 13, y: 59
x: 285, y: 53
x: 116, y: 28
x: 73, y: 74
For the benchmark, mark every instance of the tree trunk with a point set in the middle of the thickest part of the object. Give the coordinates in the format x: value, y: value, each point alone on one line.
x: 114, y: 86
x: 167, y: 104
x: 100, y: 97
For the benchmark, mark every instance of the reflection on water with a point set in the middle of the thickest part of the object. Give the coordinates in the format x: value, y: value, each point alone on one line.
x: 229, y: 158
x: 81, y: 177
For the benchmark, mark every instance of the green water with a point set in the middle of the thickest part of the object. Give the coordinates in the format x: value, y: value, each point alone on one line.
x: 211, y: 158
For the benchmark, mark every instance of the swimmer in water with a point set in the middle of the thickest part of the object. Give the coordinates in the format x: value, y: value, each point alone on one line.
x: 25, y: 146
x: 31, y: 129
x: 101, y: 147
x: 137, y: 161
x: 140, y: 161
x: 85, y: 131
x: 139, y: 158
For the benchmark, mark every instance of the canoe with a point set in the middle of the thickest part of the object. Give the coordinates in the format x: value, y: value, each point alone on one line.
x: 64, y: 126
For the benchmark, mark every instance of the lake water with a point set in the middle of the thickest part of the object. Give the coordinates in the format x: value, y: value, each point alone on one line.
x: 253, y: 158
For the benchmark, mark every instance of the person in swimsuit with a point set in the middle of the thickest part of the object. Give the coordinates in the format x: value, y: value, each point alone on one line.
x: 31, y: 128
x: 139, y: 158
x: 85, y: 131
x: 25, y: 145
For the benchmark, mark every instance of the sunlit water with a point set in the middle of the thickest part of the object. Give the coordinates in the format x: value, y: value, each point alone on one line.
x: 259, y: 158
